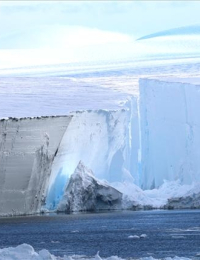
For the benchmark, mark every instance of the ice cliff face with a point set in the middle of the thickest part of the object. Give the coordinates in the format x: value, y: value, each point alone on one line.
x: 170, y: 127
x: 105, y: 138
x: 99, y: 138
x: 86, y: 193
x: 27, y: 149
x: 38, y: 155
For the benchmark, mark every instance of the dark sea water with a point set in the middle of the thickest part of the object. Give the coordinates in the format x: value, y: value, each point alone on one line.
x: 169, y: 233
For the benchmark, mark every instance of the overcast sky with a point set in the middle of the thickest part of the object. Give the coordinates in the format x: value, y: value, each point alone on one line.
x: 58, y: 24
x: 135, y: 18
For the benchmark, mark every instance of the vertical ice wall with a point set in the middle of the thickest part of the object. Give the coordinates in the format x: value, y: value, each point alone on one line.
x: 170, y: 132
x: 27, y: 149
x: 134, y: 139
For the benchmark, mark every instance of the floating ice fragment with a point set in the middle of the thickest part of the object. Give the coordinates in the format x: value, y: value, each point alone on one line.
x: 74, y: 231
x: 55, y: 242
x: 134, y: 237
x: 44, y: 254
x: 143, y: 236
x: 178, y: 237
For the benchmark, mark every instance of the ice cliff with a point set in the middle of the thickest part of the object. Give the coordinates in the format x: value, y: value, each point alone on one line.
x: 38, y: 155
x: 101, y: 139
x: 27, y: 150
x: 170, y: 131
x: 84, y: 192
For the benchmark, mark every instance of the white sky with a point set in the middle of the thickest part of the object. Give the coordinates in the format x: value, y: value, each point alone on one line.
x: 129, y: 17
x: 90, y: 25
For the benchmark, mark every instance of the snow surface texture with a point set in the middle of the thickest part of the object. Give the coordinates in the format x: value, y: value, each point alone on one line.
x: 185, y: 202
x: 170, y: 132
x: 86, y: 193
x: 27, y: 149
x: 27, y: 252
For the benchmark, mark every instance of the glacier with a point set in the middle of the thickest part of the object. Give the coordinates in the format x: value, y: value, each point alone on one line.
x: 145, y: 146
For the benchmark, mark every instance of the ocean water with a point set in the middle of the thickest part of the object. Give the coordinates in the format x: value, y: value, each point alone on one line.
x: 169, y: 233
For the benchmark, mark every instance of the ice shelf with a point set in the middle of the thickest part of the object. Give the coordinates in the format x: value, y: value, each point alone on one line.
x: 146, y: 142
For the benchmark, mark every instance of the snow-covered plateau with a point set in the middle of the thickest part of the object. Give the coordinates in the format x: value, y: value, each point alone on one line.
x: 170, y: 136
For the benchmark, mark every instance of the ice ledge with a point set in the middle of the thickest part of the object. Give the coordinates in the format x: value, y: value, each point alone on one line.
x: 34, y: 117
x: 70, y: 114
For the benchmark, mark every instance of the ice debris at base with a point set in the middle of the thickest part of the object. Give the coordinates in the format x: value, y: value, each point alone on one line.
x: 135, y: 198
x: 84, y: 192
x: 101, y: 139
x: 170, y: 134
x: 27, y: 252
x: 188, y: 200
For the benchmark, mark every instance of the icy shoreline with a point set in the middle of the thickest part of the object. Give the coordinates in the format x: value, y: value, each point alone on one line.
x: 25, y: 251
